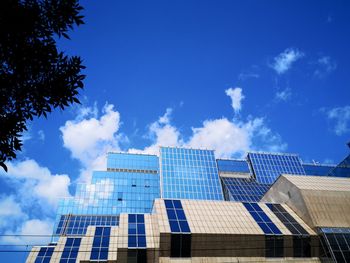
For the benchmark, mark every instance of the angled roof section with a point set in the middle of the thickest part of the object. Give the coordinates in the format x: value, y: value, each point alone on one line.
x: 319, y: 201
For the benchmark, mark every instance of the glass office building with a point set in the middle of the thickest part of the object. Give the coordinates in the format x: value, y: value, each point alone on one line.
x: 125, y: 195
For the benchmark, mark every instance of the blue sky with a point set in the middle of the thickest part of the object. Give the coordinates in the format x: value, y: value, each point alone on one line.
x: 232, y: 76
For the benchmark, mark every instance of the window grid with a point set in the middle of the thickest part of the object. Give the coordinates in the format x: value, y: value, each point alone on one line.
x: 70, y: 251
x: 338, y: 242
x: 235, y: 166
x: 77, y: 224
x: 100, y: 244
x: 136, y: 231
x: 293, y: 226
x: 265, y: 223
x: 176, y: 216
x: 244, y: 189
x: 189, y: 174
x: 44, y: 255
x: 268, y: 167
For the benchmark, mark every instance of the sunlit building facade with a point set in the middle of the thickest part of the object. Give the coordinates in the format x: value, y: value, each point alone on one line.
x: 187, y: 206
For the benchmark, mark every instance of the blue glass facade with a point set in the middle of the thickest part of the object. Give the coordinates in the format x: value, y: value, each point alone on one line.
x: 337, y: 243
x: 100, y: 245
x: 293, y: 226
x: 70, y: 251
x: 267, y: 167
x: 342, y: 169
x: 44, y: 255
x: 130, y: 189
x: 243, y: 189
x: 176, y: 216
x: 189, y: 174
x: 233, y: 166
x: 132, y: 161
x: 318, y: 170
x: 260, y: 217
x: 78, y: 224
x: 136, y: 231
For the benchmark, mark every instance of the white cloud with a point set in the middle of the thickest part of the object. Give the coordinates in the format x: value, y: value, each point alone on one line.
x: 236, y: 96
x: 9, y: 207
x: 283, y: 62
x: 229, y: 138
x: 162, y: 133
x: 325, y: 65
x: 11, y: 212
x: 224, y: 136
x: 283, y: 95
x: 89, y: 138
x: 30, y: 211
x: 31, y: 232
x: 37, y: 183
x: 341, y: 116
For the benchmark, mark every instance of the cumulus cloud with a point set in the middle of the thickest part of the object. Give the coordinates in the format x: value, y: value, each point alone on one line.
x: 8, y: 207
x: 37, y: 183
x: 229, y: 138
x: 283, y: 62
x: 31, y: 232
x: 341, y: 117
x: 283, y: 95
x: 236, y: 96
x: 31, y: 209
x: 10, y: 212
x: 162, y: 133
x: 89, y: 138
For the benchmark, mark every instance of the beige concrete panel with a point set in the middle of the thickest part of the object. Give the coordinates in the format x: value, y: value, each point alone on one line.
x: 86, y: 244
x: 57, y: 253
x: 215, y: 217
x: 113, y: 244
x: 123, y: 231
x: 163, y: 222
x: 283, y: 191
x: 152, y: 230
x: 328, y: 208
x: 321, y: 183
x: 33, y: 254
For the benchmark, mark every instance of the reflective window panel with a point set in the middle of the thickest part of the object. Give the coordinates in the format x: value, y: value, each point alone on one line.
x: 77, y: 224
x: 338, y: 243
x: 189, y: 174
x: 136, y: 231
x: 293, y: 226
x: 267, y: 167
x: 260, y: 217
x: 44, y: 255
x: 70, y: 251
x: 100, y: 244
x: 243, y: 189
x: 233, y: 166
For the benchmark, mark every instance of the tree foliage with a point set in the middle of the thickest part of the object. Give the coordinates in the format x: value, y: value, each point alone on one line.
x: 35, y: 77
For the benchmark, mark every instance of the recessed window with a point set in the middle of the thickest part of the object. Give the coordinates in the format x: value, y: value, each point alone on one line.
x: 274, y: 246
x: 301, y: 246
x: 120, y: 196
x: 180, y: 245
x: 133, y: 182
x: 137, y: 256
